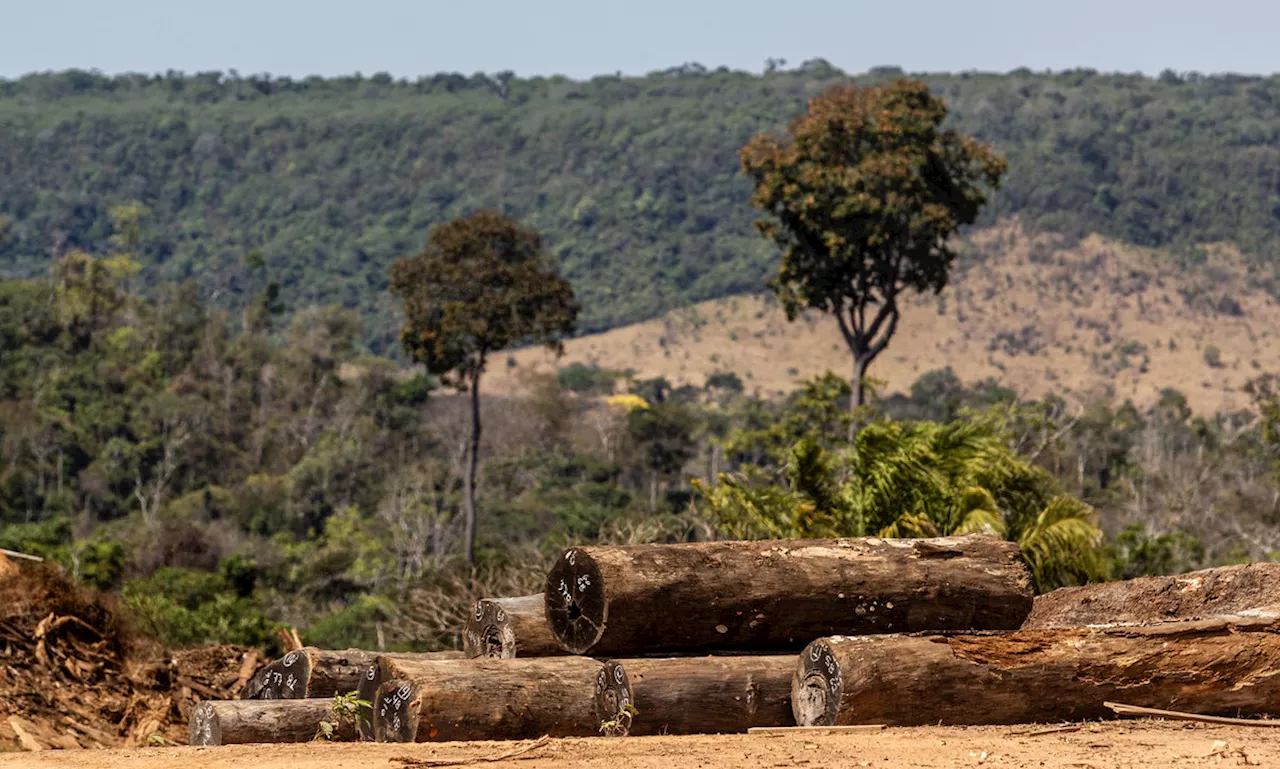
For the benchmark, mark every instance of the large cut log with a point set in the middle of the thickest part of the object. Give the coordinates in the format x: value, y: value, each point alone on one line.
x: 311, y: 673
x: 1229, y: 667
x: 780, y: 595
x: 1245, y: 590
x: 697, y: 695
x: 485, y: 699
x: 234, y: 722
x: 502, y: 628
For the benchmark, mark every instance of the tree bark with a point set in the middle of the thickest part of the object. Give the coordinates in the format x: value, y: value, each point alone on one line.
x: 858, y: 394
x: 485, y: 699
x: 1208, y: 667
x: 771, y: 595
x: 698, y: 695
x: 235, y: 722
x: 502, y: 628
x: 469, y: 479
x: 311, y: 673
x: 1247, y: 590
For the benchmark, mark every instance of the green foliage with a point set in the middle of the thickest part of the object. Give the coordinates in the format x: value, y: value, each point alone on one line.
x: 620, y: 724
x: 331, y: 180
x: 1134, y: 552
x: 354, y: 626
x: 908, y: 479
x: 343, y: 711
x: 182, y: 607
x: 586, y: 380
x: 482, y: 284
x: 862, y: 196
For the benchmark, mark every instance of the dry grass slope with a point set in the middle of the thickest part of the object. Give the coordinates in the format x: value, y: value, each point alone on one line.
x: 1093, y: 319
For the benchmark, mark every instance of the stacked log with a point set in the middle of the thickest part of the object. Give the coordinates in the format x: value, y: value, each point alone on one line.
x: 697, y: 695
x: 485, y: 699
x: 235, y: 722
x: 1246, y: 590
x: 311, y: 673
x: 502, y: 628
x: 1219, y: 666
x: 780, y: 595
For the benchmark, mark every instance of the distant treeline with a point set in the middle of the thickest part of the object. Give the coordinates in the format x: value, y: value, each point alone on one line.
x: 633, y: 180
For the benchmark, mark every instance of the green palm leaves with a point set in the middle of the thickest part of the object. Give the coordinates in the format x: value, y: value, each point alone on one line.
x: 915, y: 479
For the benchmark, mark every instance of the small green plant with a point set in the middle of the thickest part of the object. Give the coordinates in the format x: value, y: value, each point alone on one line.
x: 345, y: 709
x: 619, y: 725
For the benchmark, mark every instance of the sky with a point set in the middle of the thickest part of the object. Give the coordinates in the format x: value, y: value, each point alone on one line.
x: 580, y: 39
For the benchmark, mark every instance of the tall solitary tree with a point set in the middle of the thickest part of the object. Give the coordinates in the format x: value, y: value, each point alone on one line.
x: 483, y: 283
x: 863, y: 192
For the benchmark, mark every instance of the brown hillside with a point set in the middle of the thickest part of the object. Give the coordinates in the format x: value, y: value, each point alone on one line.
x: 1095, y: 318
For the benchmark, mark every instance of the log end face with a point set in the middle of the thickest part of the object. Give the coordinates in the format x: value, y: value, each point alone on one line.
x: 613, y: 691
x: 817, y: 686
x: 367, y: 691
x: 471, y: 638
x: 395, y: 713
x: 285, y: 679
x: 204, y: 729
x: 575, y: 601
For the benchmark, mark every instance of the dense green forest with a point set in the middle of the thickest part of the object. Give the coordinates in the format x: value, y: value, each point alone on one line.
x: 633, y: 181
x: 230, y: 475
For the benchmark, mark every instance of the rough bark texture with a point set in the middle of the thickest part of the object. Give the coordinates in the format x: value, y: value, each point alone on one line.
x: 485, y: 699
x: 1245, y: 590
x: 1211, y: 667
x: 311, y: 673
x: 502, y: 628
x: 698, y: 695
x: 233, y: 722
x: 373, y: 677
x: 780, y: 595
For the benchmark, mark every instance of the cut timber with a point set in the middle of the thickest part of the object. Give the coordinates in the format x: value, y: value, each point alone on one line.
x: 698, y: 695
x: 780, y: 595
x: 374, y: 676
x: 1244, y: 590
x: 311, y: 673
x: 485, y: 699
x: 502, y: 628
x: 234, y: 722
x: 1033, y: 676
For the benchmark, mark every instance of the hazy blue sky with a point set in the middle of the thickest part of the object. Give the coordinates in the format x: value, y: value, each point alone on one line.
x: 580, y: 38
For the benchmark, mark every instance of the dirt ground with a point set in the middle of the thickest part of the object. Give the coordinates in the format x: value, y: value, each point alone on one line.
x: 1120, y: 744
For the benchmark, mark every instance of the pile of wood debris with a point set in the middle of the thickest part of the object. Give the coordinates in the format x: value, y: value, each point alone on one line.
x: 72, y: 677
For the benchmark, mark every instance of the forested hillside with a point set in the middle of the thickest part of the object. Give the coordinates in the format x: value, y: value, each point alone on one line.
x: 633, y: 180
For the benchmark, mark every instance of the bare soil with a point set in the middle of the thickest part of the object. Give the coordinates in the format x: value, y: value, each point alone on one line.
x: 1096, y: 318
x: 1128, y: 744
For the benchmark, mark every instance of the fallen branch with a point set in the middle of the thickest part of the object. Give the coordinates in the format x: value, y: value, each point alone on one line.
x: 16, y: 554
x: 1134, y: 710
x: 1048, y: 730
x: 813, y: 729
x: 410, y: 761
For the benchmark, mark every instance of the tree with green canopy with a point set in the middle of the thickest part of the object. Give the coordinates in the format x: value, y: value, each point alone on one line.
x: 863, y: 193
x: 482, y: 284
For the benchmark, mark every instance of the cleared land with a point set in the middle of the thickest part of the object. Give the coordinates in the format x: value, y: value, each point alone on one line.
x: 1130, y: 744
x: 1098, y: 317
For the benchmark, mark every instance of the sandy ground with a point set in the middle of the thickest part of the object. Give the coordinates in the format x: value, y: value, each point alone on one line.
x: 1127, y: 744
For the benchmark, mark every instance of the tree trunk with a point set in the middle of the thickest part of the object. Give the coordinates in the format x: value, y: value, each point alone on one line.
x: 1207, y: 667
x: 698, y: 695
x: 1248, y: 590
x: 858, y: 394
x: 235, y: 722
x: 485, y: 699
x: 771, y: 595
x: 311, y: 673
x: 502, y: 628
x: 469, y: 479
